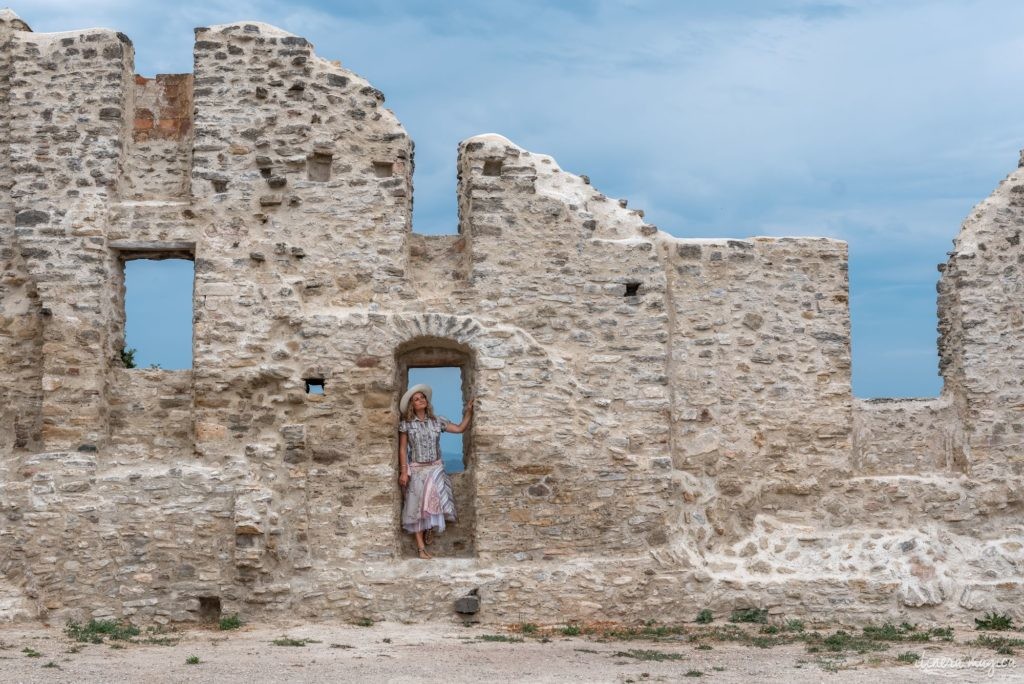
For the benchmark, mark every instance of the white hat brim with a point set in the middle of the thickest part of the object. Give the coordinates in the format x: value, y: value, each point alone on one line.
x: 427, y: 392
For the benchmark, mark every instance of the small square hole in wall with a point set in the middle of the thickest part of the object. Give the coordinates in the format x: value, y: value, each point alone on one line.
x: 314, y: 385
x: 318, y: 167
x: 632, y: 290
x: 492, y: 167
x: 383, y: 169
x: 209, y: 608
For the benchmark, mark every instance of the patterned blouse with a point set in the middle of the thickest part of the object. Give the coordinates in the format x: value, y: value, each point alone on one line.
x: 424, y: 438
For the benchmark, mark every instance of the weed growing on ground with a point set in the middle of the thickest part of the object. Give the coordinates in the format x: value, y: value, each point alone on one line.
x: 96, y: 630
x: 718, y: 668
x: 908, y: 657
x: 1001, y: 645
x: 192, y: 660
x: 528, y: 628
x: 704, y: 647
x: 994, y: 621
x: 160, y: 641
x: 288, y: 641
x: 500, y: 637
x: 75, y: 649
x: 641, y: 654
x: 793, y: 626
x: 571, y: 630
x: 364, y: 622
x: 52, y: 664
x: 693, y: 673
x: 31, y: 652
x: 757, y: 615
x: 341, y: 646
x: 230, y: 622
x: 705, y: 617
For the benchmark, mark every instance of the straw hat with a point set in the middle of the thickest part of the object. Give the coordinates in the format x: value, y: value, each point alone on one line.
x: 427, y: 392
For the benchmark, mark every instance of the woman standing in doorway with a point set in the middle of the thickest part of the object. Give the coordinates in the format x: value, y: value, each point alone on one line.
x: 428, y: 490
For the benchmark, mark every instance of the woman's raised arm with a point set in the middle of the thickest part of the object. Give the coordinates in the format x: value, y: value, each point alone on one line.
x: 467, y: 416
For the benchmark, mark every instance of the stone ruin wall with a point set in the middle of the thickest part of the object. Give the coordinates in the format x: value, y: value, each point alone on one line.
x: 663, y: 424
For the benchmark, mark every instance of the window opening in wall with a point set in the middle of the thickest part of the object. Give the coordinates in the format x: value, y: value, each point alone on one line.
x: 632, y: 289
x: 158, y: 312
x: 314, y: 385
x: 383, y: 169
x: 446, y: 382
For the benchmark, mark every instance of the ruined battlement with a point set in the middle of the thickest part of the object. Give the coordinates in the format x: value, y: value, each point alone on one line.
x: 662, y: 425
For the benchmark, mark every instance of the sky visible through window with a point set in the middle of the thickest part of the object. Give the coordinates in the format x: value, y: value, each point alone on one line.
x: 158, y: 312
x: 446, y: 383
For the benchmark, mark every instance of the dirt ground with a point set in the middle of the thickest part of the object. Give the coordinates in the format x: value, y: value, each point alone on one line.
x: 391, y: 652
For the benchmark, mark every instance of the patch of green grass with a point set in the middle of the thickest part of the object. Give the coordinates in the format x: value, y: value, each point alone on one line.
x: 229, y: 622
x: 288, y: 641
x: 693, y: 673
x: 756, y: 615
x: 31, y: 652
x: 944, y: 633
x: 76, y: 648
x: 500, y: 637
x: 642, y: 654
x: 1001, y: 645
x: 95, y: 631
x: 704, y: 647
x: 52, y: 664
x: 192, y: 660
x: 160, y: 641
x: 571, y: 630
x: 586, y: 650
x: 528, y: 628
x: 793, y: 626
x: 705, y: 617
x: 341, y: 646
x: 842, y: 641
x: 718, y: 668
x: 116, y: 645
x: 770, y: 629
x: 887, y: 632
x: 908, y: 657
x: 650, y: 630
x: 364, y: 622
x: 994, y: 621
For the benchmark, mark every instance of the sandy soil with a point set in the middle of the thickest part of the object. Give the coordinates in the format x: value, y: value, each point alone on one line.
x: 390, y: 652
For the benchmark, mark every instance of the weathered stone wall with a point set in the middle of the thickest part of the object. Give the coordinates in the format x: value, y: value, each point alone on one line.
x: 981, y: 323
x: 662, y: 424
x: 159, y: 163
x: 893, y: 436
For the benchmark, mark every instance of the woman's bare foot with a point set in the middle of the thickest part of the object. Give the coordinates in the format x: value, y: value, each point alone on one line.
x: 424, y: 555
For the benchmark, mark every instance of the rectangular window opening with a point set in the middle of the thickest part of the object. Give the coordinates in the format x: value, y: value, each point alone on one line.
x: 314, y: 385
x: 446, y: 383
x: 158, y: 310
x: 383, y: 169
x: 632, y: 289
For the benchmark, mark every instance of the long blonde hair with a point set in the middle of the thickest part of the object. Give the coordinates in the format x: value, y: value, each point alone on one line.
x: 410, y: 412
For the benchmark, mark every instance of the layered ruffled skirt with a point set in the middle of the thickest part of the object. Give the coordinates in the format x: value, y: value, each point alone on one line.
x: 428, y: 498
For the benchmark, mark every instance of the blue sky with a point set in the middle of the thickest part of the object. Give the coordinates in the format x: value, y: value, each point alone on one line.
x: 880, y: 123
